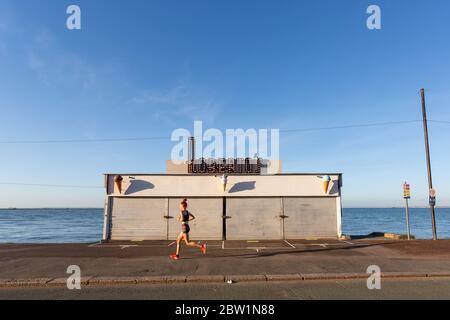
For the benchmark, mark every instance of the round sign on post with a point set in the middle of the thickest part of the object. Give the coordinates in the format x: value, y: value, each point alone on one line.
x: 432, y: 197
x: 433, y: 193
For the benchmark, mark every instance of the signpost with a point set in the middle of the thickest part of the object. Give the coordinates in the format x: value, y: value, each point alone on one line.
x: 430, y: 180
x: 407, y: 196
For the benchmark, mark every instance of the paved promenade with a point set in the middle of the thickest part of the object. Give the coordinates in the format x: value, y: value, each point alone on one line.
x: 240, y: 261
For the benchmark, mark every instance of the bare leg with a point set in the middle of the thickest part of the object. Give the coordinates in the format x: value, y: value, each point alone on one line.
x: 192, y: 243
x: 180, y: 237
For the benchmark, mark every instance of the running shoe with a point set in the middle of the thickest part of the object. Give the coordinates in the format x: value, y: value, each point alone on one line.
x: 203, y: 248
x: 174, y: 257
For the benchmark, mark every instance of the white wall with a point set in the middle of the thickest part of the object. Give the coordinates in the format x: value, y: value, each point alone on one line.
x: 210, y: 186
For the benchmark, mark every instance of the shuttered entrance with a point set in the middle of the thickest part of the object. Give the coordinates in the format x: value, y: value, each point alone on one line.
x: 139, y: 219
x: 208, y: 218
x: 254, y: 219
x: 281, y: 218
x: 310, y: 218
x: 247, y: 218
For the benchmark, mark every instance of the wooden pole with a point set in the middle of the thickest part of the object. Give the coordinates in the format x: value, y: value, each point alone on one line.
x: 427, y: 149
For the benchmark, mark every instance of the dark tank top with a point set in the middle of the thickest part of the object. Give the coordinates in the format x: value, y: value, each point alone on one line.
x: 185, y: 215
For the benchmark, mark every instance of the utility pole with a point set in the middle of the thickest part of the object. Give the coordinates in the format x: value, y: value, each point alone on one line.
x: 427, y: 149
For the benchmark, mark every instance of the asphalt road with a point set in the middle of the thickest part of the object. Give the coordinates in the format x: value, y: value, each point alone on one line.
x: 151, y: 258
x: 436, y: 288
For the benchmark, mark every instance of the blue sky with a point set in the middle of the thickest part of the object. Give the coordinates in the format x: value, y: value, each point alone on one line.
x: 145, y: 68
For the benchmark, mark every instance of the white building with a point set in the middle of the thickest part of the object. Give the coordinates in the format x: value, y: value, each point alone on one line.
x: 252, y: 207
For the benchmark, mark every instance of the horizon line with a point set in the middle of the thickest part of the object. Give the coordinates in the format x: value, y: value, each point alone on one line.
x: 98, y: 208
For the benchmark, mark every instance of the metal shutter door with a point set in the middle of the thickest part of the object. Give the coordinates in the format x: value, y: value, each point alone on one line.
x: 254, y: 219
x: 208, y: 218
x: 139, y: 219
x: 310, y: 218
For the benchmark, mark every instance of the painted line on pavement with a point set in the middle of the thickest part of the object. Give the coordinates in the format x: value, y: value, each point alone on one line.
x: 290, y: 244
x: 139, y: 246
x: 94, y: 244
x: 127, y: 246
x: 266, y: 248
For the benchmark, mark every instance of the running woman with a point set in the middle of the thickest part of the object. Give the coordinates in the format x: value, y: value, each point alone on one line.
x: 184, y: 217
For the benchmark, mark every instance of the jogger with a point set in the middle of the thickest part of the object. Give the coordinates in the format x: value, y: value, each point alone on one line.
x: 184, y: 217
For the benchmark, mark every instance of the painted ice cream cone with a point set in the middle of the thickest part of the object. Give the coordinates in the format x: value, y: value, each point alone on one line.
x: 224, y: 181
x: 326, y: 183
x: 118, y: 183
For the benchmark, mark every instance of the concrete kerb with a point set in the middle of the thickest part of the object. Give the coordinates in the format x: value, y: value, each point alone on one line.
x: 38, y: 282
x: 438, y: 274
x: 245, y: 278
x: 137, y: 280
x: 284, y: 277
x: 92, y: 281
x: 404, y: 275
x: 211, y: 278
x: 63, y: 281
x: 334, y: 276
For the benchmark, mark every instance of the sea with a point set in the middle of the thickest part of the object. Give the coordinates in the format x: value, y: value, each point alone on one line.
x: 85, y: 225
